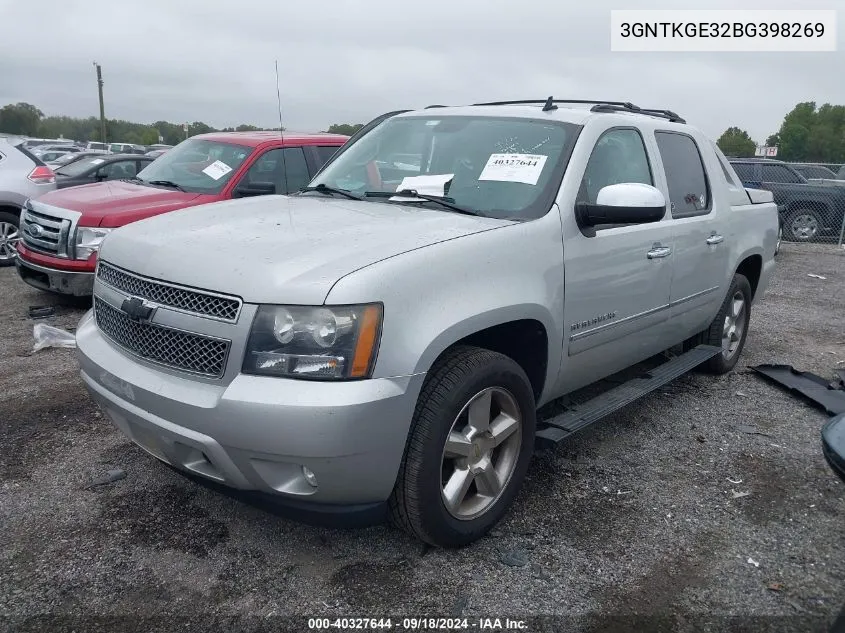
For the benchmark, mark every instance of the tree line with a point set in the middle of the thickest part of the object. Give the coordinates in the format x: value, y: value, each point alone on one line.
x: 808, y: 134
x: 26, y: 119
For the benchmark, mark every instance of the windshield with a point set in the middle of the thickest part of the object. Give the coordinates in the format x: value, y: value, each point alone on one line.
x: 81, y: 166
x: 498, y: 167
x: 197, y: 165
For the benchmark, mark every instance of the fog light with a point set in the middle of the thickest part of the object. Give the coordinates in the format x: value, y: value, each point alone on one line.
x: 309, y: 475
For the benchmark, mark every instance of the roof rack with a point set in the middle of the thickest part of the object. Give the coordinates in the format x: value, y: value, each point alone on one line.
x: 598, y: 106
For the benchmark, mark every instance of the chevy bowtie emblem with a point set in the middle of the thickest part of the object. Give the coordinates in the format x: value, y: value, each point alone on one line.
x: 137, y: 309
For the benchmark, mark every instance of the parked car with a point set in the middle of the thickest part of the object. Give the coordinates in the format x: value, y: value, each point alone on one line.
x: 34, y: 143
x: 99, y: 168
x: 51, y: 156
x: 155, y: 153
x: 126, y: 148
x: 22, y: 176
x: 812, y: 212
x: 379, y: 343
x: 43, y: 149
x: 98, y: 146
x: 205, y: 168
x: 158, y: 147
x: 68, y: 158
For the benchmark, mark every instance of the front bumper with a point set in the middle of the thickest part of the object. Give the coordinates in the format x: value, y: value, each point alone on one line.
x: 833, y: 444
x: 78, y: 284
x: 256, y: 433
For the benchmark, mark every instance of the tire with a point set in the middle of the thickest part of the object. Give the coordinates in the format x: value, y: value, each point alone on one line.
x: 718, y: 332
x: 9, y: 233
x: 464, y: 376
x: 804, y: 225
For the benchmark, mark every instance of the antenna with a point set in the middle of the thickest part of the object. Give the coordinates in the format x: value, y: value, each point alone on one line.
x: 281, y: 128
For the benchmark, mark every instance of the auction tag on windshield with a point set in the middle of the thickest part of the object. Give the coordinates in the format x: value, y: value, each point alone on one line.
x: 217, y: 170
x: 97, y: 161
x: 524, y: 168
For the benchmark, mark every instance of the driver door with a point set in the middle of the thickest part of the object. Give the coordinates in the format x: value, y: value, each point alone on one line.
x: 617, y: 278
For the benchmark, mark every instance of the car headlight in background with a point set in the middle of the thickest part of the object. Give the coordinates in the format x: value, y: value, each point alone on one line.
x: 88, y: 240
x: 314, y: 342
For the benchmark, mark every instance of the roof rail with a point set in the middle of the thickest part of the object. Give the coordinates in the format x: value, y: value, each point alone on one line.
x: 665, y: 114
x: 550, y: 100
x: 598, y: 106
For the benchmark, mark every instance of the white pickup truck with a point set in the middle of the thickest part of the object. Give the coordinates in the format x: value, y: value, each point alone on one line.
x: 378, y: 344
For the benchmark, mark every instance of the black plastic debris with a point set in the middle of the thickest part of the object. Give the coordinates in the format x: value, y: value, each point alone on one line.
x: 41, y: 312
x: 110, y: 477
x: 824, y: 393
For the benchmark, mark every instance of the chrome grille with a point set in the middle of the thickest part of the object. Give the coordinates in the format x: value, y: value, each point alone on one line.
x: 44, y: 232
x: 178, y: 349
x: 193, y: 301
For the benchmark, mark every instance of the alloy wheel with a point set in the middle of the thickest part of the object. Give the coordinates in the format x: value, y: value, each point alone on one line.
x: 481, y: 453
x: 9, y: 238
x: 734, y: 326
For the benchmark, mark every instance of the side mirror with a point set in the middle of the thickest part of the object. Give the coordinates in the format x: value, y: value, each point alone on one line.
x: 255, y: 189
x: 100, y: 175
x: 623, y: 203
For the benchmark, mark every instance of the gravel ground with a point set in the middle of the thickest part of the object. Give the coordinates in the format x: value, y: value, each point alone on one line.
x: 633, y: 525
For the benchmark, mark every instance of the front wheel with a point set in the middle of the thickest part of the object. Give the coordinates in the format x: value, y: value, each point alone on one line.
x: 469, y: 447
x: 804, y: 225
x: 730, y: 327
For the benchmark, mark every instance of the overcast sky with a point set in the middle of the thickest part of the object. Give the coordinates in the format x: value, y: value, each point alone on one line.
x: 350, y: 60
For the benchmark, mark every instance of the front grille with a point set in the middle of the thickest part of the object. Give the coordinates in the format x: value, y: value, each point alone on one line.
x: 181, y: 350
x: 45, y: 233
x: 193, y: 301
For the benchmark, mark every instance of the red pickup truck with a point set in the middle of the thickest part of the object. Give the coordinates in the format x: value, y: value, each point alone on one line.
x: 61, y: 231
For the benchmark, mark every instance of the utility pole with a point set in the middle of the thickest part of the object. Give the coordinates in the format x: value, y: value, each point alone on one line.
x: 102, y: 109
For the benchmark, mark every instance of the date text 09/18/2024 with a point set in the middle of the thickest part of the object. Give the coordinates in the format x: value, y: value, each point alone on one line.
x: 418, y: 624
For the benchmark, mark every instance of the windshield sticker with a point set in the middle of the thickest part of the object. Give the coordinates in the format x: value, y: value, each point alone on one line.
x: 217, y: 170
x: 429, y: 185
x: 97, y: 161
x: 525, y: 168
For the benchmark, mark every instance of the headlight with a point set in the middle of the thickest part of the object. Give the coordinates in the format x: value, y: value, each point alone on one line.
x: 320, y: 342
x: 88, y: 240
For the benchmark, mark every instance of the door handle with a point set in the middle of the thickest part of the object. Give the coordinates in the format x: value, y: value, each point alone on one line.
x: 659, y: 251
x: 715, y: 239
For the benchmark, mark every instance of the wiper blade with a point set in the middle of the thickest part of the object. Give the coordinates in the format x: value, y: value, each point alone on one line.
x: 321, y: 188
x: 166, y: 183
x: 444, y: 201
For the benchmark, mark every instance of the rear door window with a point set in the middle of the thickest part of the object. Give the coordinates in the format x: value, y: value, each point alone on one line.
x: 689, y: 189
x: 324, y: 153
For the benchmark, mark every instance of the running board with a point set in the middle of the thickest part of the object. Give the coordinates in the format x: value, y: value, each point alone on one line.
x: 583, y: 415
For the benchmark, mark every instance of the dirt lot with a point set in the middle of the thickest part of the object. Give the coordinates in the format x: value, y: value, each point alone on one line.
x: 632, y: 525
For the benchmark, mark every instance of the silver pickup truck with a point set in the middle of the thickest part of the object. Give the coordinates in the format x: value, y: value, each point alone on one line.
x: 378, y: 344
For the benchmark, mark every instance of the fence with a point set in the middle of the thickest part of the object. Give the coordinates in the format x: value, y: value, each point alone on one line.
x: 813, y: 211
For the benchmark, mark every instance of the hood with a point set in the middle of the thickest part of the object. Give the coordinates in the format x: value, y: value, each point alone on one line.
x: 278, y: 249
x: 115, y: 202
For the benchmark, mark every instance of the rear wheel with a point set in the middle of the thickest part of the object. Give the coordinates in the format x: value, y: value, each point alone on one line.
x: 9, y: 237
x: 469, y: 447
x: 730, y: 327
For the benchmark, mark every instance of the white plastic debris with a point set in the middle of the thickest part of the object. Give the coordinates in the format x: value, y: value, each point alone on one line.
x: 49, y: 336
x: 739, y: 495
x: 815, y: 276
x: 734, y: 481
x: 751, y: 561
